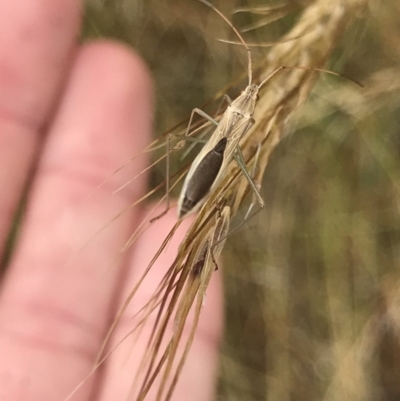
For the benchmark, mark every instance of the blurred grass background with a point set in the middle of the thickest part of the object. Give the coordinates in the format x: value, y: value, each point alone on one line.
x: 312, y: 283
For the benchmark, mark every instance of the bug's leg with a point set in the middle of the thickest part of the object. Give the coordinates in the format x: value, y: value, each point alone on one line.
x: 216, y: 267
x: 242, y: 164
x: 202, y: 114
x: 224, y: 99
x: 220, y: 233
x: 187, y: 138
x: 238, y: 156
x: 227, y: 99
x: 258, y: 185
x: 214, y: 245
x: 196, y: 140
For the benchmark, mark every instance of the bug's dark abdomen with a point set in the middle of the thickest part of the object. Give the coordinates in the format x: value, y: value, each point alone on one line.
x: 203, y: 177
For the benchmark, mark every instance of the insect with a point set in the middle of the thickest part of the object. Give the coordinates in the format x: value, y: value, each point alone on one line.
x: 210, y: 165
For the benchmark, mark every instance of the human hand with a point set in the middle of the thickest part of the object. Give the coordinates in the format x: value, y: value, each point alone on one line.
x: 69, y: 116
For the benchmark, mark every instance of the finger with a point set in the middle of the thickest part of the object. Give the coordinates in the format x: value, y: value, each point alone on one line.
x: 35, y: 48
x: 197, y: 381
x: 54, y: 307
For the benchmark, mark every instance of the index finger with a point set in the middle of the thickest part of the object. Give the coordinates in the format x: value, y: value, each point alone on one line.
x: 35, y: 47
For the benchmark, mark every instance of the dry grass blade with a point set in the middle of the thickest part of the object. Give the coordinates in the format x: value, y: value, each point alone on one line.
x: 186, y: 287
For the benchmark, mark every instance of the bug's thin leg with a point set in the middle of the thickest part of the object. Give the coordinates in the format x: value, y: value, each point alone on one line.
x: 245, y: 220
x: 187, y: 138
x: 242, y: 164
x: 195, y: 140
x: 253, y: 173
x: 213, y: 246
x: 226, y: 99
x: 213, y: 258
x: 202, y: 114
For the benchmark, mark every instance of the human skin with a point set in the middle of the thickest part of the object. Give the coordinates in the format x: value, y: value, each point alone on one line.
x: 70, y: 115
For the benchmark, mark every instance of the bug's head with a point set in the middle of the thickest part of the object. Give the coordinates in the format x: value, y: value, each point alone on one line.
x: 251, y: 91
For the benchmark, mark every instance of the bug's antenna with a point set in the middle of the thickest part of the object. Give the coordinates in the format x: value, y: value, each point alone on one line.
x: 295, y: 67
x: 250, y: 66
x: 269, y: 77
